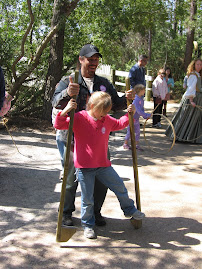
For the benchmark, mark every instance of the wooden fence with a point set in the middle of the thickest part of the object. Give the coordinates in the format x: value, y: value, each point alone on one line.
x: 118, y: 78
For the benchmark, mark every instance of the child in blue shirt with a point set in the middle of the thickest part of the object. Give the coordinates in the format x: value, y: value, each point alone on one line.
x: 139, y: 105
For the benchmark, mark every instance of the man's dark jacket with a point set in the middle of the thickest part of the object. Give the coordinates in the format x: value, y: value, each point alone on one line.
x: 61, y: 98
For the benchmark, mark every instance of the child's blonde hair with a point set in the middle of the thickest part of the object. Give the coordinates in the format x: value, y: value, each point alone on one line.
x: 138, y: 88
x: 100, y: 100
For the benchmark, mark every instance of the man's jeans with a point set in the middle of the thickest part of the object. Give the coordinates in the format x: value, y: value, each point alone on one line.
x: 61, y: 140
x: 109, y: 177
x: 100, y: 190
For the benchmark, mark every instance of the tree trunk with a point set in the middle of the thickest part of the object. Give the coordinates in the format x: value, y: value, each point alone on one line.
x: 150, y: 45
x: 175, y: 22
x: 62, y: 10
x: 55, y: 63
x: 190, y: 35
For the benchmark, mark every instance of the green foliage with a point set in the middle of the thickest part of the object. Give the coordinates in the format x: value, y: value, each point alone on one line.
x: 178, y: 90
x: 121, y: 29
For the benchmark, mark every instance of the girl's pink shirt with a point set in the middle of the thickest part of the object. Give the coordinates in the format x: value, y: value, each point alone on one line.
x: 91, y: 137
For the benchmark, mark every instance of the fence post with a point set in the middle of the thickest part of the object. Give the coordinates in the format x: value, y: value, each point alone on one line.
x: 113, y: 76
x: 149, y: 81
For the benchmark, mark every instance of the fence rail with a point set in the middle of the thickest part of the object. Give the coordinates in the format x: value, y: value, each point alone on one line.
x: 116, y: 75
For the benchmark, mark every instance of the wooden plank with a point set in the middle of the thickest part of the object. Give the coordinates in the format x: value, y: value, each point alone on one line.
x: 120, y: 83
x: 121, y: 73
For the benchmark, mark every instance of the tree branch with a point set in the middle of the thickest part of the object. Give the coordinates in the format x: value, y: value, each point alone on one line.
x: 23, y: 40
x: 19, y: 80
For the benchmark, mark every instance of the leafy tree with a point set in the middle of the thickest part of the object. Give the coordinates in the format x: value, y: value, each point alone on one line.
x: 35, y: 58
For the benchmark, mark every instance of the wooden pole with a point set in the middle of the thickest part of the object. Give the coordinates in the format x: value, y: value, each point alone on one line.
x: 136, y: 223
x: 149, y: 81
x: 63, y: 234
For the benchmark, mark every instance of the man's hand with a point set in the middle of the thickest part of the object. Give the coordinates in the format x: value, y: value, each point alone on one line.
x: 130, y: 94
x: 73, y: 88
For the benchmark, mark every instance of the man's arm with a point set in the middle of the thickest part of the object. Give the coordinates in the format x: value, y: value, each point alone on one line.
x: 60, y: 92
x: 65, y: 89
x: 118, y: 102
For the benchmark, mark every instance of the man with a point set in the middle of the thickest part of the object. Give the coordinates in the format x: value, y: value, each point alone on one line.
x: 88, y: 82
x: 137, y: 72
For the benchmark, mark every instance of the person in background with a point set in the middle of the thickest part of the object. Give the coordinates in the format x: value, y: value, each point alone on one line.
x: 88, y: 82
x: 139, y: 106
x: 188, y: 121
x: 2, y: 88
x: 159, y: 89
x: 90, y: 155
x: 170, y: 84
x: 193, y: 73
x: 185, y: 82
x: 137, y: 72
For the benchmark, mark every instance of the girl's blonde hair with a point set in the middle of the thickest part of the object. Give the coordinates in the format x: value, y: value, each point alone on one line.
x: 138, y: 88
x: 100, y: 101
x: 191, y: 66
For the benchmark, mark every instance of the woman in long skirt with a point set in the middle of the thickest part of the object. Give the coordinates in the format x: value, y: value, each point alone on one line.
x: 188, y: 119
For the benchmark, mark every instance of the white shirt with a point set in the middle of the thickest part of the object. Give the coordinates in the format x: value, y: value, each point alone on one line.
x: 89, y: 83
x: 191, y: 85
x: 159, y: 87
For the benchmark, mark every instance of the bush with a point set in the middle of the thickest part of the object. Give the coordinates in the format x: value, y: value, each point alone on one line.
x: 178, y: 90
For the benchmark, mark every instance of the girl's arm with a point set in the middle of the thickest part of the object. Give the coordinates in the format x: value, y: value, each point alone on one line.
x: 71, y: 105
x: 62, y: 119
x: 119, y: 124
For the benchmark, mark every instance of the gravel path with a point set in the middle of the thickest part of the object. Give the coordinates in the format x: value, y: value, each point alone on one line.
x: 170, y: 187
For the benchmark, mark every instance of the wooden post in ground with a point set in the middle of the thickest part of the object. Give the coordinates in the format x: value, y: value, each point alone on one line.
x: 64, y: 233
x: 149, y: 81
x: 113, y: 76
x: 136, y: 223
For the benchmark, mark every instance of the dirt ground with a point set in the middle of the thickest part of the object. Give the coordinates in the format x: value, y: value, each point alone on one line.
x: 170, y: 187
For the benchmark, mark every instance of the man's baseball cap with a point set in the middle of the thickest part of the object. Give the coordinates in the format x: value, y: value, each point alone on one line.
x: 89, y: 50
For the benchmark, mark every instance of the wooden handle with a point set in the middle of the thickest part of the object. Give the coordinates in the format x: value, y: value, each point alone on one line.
x: 137, y: 223
x: 66, y: 165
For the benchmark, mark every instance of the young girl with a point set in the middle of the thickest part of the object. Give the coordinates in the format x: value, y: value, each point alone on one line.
x: 170, y: 84
x: 193, y: 73
x: 139, y: 106
x: 159, y: 89
x: 91, y: 133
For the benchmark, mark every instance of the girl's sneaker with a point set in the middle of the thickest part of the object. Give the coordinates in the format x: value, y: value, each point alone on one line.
x: 125, y: 146
x: 138, y: 215
x: 89, y: 233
